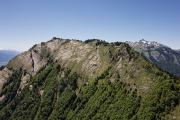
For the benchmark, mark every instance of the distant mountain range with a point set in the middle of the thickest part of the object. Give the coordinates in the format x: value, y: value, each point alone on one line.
x: 162, y: 56
x: 6, y: 55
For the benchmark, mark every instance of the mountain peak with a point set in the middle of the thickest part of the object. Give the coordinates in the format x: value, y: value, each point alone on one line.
x: 159, y: 54
x: 146, y: 44
x: 68, y: 75
x: 143, y: 41
x: 150, y: 43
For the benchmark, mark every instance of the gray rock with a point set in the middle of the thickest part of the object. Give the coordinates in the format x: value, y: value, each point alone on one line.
x: 161, y: 55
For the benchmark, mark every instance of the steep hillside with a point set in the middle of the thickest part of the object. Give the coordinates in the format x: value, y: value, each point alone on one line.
x: 75, y: 80
x: 6, y: 55
x: 161, y: 55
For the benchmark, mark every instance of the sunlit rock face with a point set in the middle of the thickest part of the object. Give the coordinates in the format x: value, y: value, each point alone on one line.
x: 92, y: 79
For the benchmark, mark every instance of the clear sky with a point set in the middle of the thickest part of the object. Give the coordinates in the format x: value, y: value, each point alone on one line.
x: 26, y: 22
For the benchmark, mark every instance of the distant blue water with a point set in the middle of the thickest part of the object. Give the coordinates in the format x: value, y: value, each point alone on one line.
x: 6, y: 55
x: 3, y: 63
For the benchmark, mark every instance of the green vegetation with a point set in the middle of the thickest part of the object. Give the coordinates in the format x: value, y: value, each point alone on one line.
x: 11, y: 88
x: 127, y: 87
x: 97, y: 42
x: 99, y: 99
x: 161, y: 99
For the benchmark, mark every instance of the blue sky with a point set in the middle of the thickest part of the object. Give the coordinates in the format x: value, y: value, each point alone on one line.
x: 26, y: 22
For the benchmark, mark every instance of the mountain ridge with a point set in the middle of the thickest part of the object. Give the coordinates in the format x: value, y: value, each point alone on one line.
x: 71, y: 79
x: 160, y: 55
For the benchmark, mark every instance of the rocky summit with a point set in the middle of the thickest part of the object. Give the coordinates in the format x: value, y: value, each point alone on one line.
x: 162, y: 56
x: 66, y: 79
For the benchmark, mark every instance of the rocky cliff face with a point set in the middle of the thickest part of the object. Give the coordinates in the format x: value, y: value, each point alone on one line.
x: 4, y: 75
x: 66, y: 52
x: 160, y: 55
x: 71, y: 79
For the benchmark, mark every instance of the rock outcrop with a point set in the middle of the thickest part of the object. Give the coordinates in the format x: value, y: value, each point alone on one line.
x: 71, y: 79
x: 5, y: 74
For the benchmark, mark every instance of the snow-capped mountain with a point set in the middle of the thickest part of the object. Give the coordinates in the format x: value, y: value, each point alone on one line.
x: 145, y: 44
x: 159, y: 54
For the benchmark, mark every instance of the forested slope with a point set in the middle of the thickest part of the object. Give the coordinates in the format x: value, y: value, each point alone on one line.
x: 87, y: 80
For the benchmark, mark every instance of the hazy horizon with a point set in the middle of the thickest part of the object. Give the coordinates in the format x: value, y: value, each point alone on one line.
x: 25, y: 23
